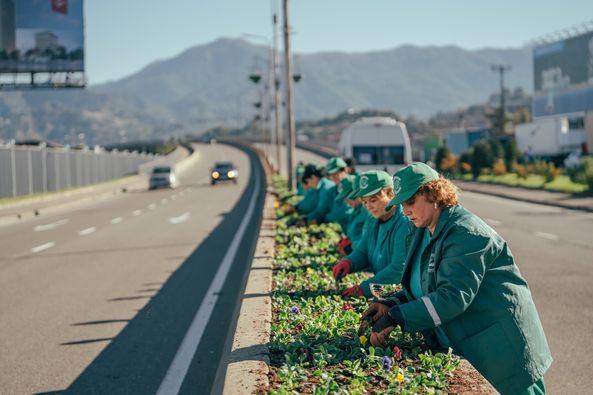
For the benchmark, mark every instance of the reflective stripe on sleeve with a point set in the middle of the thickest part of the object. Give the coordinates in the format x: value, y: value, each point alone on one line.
x: 431, y: 310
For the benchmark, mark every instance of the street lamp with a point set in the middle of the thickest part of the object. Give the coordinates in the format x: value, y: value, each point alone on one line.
x: 501, y: 68
x: 273, y: 81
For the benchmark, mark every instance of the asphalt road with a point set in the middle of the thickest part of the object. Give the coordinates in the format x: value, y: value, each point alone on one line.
x: 100, y: 299
x: 553, y: 248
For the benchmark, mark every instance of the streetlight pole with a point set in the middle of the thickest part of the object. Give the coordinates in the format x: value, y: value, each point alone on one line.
x: 501, y: 68
x: 289, y: 110
x: 276, y: 83
x: 266, y: 105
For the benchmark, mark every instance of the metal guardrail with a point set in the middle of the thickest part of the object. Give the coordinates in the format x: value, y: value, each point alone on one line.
x: 25, y: 170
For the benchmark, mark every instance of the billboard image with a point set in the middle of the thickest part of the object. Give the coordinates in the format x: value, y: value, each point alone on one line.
x: 564, y: 63
x: 41, y: 36
x: 563, y: 76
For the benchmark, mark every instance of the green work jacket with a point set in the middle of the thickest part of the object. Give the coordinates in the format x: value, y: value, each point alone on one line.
x: 309, y: 201
x: 327, y: 194
x: 356, y: 224
x: 339, y: 212
x: 381, y: 250
x: 474, y: 292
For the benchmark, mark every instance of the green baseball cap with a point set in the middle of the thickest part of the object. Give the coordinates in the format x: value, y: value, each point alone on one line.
x: 409, y: 179
x: 355, y: 183
x: 334, y: 165
x: 371, y: 182
x: 345, y: 187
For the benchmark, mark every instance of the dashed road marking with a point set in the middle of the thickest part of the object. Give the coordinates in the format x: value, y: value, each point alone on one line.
x: 53, y: 225
x: 116, y: 220
x: 136, y: 213
x: 548, y: 236
x: 87, y: 231
x: 181, y: 218
x: 43, y: 247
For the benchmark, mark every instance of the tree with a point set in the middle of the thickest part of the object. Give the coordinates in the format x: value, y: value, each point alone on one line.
x: 496, y: 148
x: 442, y: 153
x: 465, y: 161
x: 482, y: 158
x: 511, y: 153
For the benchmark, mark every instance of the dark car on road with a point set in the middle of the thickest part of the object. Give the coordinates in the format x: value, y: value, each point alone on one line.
x: 223, y: 171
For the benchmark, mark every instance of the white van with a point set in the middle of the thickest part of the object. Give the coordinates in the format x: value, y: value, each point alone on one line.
x: 377, y: 143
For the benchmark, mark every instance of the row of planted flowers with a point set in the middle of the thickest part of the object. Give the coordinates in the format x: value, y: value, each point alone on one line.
x: 316, y: 346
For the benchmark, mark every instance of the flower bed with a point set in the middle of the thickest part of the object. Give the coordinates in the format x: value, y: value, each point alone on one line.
x: 315, y: 347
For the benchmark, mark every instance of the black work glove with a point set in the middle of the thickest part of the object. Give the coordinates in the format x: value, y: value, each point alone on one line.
x: 393, y: 318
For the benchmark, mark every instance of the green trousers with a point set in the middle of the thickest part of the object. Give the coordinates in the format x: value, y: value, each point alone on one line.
x: 537, y: 388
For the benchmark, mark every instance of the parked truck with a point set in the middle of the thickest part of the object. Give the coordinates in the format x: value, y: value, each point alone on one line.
x: 549, y: 136
x: 377, y: 143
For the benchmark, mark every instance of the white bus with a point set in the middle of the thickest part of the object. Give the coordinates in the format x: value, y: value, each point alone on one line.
x: 377, y: 143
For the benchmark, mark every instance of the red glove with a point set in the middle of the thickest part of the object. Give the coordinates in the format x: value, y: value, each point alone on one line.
x: 353, y: 292
x: 341, y: 269
x: 345, y: 242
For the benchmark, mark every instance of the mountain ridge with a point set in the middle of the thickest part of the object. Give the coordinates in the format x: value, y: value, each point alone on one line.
x: 207, y: 85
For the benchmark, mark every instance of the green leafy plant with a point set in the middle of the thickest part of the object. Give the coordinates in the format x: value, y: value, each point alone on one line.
x: 315, y: 347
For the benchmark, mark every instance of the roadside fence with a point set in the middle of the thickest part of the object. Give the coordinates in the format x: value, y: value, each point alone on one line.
x: 26, y: 170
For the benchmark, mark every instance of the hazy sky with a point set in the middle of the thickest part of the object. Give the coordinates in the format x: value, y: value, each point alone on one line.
x: 123, y: 36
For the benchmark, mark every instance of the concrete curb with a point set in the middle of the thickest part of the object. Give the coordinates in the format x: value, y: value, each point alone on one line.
x: 247, y: 370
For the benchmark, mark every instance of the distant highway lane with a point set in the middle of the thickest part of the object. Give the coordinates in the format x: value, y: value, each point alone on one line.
x: 99, y: 299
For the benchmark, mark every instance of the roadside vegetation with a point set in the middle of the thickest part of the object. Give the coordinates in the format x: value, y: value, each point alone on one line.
x: 498, y: 162
x: 315, y: 346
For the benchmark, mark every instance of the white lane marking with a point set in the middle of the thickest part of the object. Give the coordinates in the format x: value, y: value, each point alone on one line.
x: 548, y: 236
x: 164, y: 201
x: 53, y: 225
x: 152, y: 206
x: 492, y: 222
x: 136, y: 213
x: 43, y: 247
x: 87, y: 231
x: 116, y: 220
x: 181, y: 218
x: 178, y: 369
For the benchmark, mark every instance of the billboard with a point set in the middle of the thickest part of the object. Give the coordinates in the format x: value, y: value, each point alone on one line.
x: 563, y: 76
x: 41, y: 36
x: 564, y: 64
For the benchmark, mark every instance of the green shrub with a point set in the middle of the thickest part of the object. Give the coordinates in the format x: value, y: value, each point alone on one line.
x: 583, y: 173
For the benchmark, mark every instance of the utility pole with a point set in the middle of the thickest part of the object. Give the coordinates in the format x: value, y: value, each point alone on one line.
x: 290, y: 126
x: 276, y: 83
x: 501, y: 68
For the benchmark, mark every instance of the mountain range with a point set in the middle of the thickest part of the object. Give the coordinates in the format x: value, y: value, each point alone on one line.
x: 208, y: 85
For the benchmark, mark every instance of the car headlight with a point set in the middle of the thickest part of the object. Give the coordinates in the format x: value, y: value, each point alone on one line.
x: 215, y: 174
x: 231, y: 174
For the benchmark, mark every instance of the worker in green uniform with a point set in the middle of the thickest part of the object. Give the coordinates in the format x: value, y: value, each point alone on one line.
x: 381, y: 247
x: 462, y: 288
x: 357, y: 218
x: 311, y: 195
x: 299, y: 171
x: 339, y: 211
x: 314, y: 179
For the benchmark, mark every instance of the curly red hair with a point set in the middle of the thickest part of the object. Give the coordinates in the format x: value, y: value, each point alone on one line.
x: 442, y: 192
